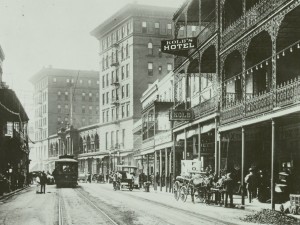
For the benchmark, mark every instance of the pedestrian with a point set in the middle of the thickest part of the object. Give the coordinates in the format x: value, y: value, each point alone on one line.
x: 251, y: 187
x: 157, y: 178
x: 228, y: 186
x: 38, y: 183
x: 89, y: 178
x: 43, y: 180
x: 141, y: 180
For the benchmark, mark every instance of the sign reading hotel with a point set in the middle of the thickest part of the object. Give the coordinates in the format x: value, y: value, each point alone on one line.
x: 184, y: 115
x: 176, y: 46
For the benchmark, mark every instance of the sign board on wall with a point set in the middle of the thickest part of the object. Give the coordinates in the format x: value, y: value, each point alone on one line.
x: 184, y: 115
x: 178, y: 46
x: 190, y: 166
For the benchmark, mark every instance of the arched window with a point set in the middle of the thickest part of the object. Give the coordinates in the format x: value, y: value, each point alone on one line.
x: 150, y: 48
x: 112, y: 57
x: 88, y: 143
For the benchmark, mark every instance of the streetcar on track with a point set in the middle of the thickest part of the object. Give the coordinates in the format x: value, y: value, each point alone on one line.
x: 66, y: 171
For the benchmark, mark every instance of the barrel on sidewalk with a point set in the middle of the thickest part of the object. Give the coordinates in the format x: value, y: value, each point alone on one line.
x: 147, y: 186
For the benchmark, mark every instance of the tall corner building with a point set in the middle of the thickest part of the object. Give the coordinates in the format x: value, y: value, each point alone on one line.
x: 130, y: 60
x: 62, y: 97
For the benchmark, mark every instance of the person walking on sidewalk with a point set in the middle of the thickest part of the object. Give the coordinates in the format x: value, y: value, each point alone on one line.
x: 251, y: 187
x: 229, y: 186
x: 43, y: 181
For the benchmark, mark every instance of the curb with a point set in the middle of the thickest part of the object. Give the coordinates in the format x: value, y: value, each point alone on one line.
x: 12, y: 193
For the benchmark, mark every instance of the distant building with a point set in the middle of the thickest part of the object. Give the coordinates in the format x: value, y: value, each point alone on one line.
x: 14, y: 149
x: 130, y: 61
x: 63, y: 99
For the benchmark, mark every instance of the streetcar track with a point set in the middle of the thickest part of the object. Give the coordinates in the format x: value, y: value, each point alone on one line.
x: 60, y: 218
x: 96, y: 207
x: 202, y: 217
x: 61, y: 212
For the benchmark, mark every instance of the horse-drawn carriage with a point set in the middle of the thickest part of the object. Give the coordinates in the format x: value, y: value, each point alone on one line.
x: 199, y: 185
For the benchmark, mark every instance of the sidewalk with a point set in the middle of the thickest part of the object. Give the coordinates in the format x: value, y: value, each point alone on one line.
x: 231, y: 214
x: 6, y: 195
x: 166, y: 199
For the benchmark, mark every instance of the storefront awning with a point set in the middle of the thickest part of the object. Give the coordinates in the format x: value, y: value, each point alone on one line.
x: 207, y: 128
x: 180, y: 136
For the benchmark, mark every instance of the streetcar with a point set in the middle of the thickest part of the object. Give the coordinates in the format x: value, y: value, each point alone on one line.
x: 66, y: 171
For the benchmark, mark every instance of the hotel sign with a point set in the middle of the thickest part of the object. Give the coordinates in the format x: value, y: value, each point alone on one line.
x: 183, y: 115
x: 178, y: 46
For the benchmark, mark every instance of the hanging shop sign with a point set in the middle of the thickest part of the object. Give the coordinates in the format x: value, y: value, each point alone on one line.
x: 190, y: 166
x: 178, y: 46
x: 183, y: 115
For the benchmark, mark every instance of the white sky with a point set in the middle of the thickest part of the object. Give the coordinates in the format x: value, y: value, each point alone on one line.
x: 37, y: 33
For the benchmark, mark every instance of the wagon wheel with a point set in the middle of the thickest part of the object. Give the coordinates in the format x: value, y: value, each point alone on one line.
x: 183, y: 192
x: 176, y: 188
x: 199, y: 194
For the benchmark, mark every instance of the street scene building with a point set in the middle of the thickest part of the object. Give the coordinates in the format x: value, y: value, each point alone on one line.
x: 130, y: 61
x: 14, y: 150
x: 64, y: 99
x: 197, y: 105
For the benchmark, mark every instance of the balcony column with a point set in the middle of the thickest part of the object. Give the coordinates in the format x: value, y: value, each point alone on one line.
x: 243, y: 81
x: 160, y: 169
x: 199, y: 1
x: 200, y: 57
x: 166, y: 169
x: 216, y: 148
x: 147, y: 167
x: 199, y: 142
x: 155, y: 166
x: 272, y: 166
x: 174, y: 157
x: 185, y: 145
x: 219, y: 151
x: 243, y: 166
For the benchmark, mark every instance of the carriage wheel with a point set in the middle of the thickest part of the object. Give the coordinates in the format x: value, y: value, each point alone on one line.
x: 176, y: 190
x: 183, y: 192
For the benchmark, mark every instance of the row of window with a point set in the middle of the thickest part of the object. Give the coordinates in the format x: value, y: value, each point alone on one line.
x: 41, y: 110
x: 40, y: 123
x: 115, y: 113
x: 150, y: 68
x: 114, y: 57
x: 115, y: 94
x: 84, y: 96
x: 68, y: 80
x: 116, y: 35
x: 42, y: 134
x: 147, y: 27
x: 84, y: 109
x: 114, y: 76
x: 84, y: 121
x: 114, y: 139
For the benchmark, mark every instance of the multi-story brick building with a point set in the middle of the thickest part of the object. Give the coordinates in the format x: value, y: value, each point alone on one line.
x: 63, y: 99
x: 130, y: 60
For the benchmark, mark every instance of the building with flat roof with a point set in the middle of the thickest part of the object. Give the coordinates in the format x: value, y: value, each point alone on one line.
x: 62, y: 99
x: 130, y: 60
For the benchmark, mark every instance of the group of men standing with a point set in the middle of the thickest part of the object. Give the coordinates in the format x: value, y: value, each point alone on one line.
x: 41, y: 180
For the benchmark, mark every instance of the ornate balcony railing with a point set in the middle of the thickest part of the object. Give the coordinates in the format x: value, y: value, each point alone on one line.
x: 206, y: 107
x: 259, y: 11
x: 288, y: 93
x: 259, y: 104
x: 233, y: 113
x: 232, y: 99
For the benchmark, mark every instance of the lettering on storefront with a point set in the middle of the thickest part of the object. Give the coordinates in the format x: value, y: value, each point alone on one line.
x: 178, y: 45
x: 183, y: 115
x: 190, y: 166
